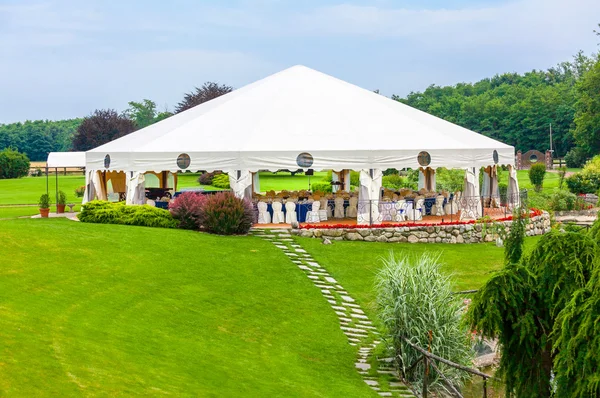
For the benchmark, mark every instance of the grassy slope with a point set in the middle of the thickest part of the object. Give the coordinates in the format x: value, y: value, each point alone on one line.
x: 114, y: 310
x: 355, y: 264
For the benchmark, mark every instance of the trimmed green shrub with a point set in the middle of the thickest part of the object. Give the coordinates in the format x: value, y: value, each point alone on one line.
x: 322, y: 186
x: 13, y: 164
x: 207, y: 178
x: 221, y: 181
x: 537, y: 172
x: 561, y: 200
x: 102, y: 212
x: 186, y: 208
x: 583, y: 182
x: 225, y: 214
x: 576, y: 157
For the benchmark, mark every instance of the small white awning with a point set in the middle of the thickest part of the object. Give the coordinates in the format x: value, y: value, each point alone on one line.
x: 66, y: 159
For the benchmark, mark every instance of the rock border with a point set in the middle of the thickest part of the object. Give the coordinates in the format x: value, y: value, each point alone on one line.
x: 453, y: 234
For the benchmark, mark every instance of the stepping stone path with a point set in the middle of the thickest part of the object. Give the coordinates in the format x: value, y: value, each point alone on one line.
x: 354, y: 323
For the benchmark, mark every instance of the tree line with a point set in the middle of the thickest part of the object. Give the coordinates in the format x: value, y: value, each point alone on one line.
x: 518, y: 109
x: 38, y: 138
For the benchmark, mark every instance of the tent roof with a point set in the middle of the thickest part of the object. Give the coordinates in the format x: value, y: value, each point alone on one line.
x: 66, y: 159
x: 267, y: 124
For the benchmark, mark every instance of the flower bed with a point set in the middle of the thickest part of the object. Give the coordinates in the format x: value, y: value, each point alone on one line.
x: 472, y: 231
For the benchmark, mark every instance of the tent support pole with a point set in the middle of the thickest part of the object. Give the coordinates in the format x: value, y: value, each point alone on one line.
x: 56, y: 188
x: 46, y: 179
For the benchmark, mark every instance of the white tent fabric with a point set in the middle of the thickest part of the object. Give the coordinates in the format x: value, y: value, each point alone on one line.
x: 267, y: 124
x: 427, y: 179
x: 368, y: 196
x: 471, y: 201
x: 99, y: 190
x: 66, y: 159
x: 136, y: 190
x: 240, y: 182
x: 512, y: 192
x: 89, y: 193
x: 256, y: 182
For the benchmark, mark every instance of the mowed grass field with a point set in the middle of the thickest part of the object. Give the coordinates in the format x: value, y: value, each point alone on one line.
x: 88, y: 310
x: 355, y: 264
x: 28, y: 190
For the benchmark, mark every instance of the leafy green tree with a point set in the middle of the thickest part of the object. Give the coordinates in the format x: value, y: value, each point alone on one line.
x: 587, y: 117
x: 13, y: 164
x: 145, y: 113
x: 207, y: 92
x: 101, y: 127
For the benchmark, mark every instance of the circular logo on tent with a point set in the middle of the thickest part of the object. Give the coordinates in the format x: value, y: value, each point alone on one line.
x: 424, y: 158
x: 107, y: 161
x: 305, y: 159
x: 183, y: 161
x: 495, y: 156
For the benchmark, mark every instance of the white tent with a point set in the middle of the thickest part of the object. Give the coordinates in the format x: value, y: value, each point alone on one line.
x: 65, y: 159
x: 269, y: 123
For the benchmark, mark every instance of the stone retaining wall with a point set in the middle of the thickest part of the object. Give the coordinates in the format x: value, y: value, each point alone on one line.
x: 459, y: 233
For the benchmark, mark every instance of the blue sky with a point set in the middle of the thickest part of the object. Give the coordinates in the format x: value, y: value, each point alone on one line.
x: 63, y: 59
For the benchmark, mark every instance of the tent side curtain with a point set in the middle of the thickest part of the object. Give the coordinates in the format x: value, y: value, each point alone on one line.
x: 368, y: 196
x: 240, y: 182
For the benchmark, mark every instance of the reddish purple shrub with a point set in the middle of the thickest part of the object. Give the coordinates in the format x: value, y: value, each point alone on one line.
x: 186, y: 209
x: 207, y: 178
x: 225, y: 214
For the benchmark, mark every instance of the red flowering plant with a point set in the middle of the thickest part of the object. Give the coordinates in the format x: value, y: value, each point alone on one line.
x: 533, y: 213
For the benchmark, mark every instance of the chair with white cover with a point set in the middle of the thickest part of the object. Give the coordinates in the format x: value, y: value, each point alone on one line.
x: 352, y: 209
x: 416, y: 213
x: 313, y: 215
x: 278, y: 216
x: 400, y: 206
x: 438, y: 208
x: 290, y: 212
x: 323, y: 209
x: 263, y: 215
x: 338, y: 211
x: 452, y: 205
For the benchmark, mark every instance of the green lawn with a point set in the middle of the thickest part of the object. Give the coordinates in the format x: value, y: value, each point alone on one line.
x: 114, y: 310
x: 355, y: 264
x: 27, y: 190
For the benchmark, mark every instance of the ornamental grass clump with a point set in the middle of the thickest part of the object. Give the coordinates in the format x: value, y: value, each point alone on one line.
x: 225, y: 214
x: 415, y: 297
x: 186, y: 209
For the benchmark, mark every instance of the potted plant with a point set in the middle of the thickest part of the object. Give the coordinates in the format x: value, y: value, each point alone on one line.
x: 62, y: 201
x: 44, y: 205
